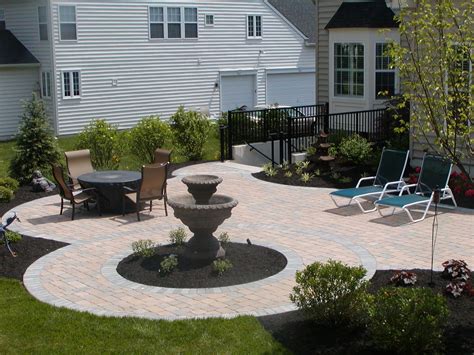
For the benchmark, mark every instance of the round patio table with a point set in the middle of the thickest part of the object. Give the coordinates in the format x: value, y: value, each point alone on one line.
x: 109, y: 187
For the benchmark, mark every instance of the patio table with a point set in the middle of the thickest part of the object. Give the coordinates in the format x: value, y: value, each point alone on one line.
x: 109, y: 186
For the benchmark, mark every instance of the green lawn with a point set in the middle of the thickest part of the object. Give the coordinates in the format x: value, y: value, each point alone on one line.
x: 29, y: 326
x: 128, y: 161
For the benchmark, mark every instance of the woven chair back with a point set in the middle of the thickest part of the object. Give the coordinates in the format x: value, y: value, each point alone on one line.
x: 162, y: 156
x: 153, y: 181
x: 64, y: 190
x: 434, y: 173
x: 391, y: 167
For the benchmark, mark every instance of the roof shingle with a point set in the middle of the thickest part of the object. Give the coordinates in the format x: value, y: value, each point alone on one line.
x: 369, y: 14
x: 13, y: 52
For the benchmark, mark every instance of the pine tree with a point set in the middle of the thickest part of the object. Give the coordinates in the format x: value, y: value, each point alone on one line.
x: 36, y: 147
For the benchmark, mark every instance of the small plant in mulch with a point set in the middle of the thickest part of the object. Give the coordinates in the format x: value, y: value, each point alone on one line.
x: 220, y: 266
x: 301, y: 167
x: 224, y: 238
x: 403, y: 278
x: 168, y: 264
x: 288, y: 173
x: 6, y: 194
x: 269, y: 170
x: 306, y: 177
x: 144, y: 248
x: 285, y: 166
x: 178, y: 236
x: 344, y: 180
x: 459, y: 274
x: 12, y: 237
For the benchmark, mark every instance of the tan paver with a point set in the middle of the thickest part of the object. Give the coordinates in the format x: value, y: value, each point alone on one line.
x: 300, y: 222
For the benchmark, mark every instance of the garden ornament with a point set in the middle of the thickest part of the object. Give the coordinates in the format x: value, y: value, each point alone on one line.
x: 8, y: 219
x: 40, y: 183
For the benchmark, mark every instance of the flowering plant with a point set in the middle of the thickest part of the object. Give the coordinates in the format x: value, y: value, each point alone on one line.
x: 460, y: 274
x: 461, y: 185
x: 403, y: 278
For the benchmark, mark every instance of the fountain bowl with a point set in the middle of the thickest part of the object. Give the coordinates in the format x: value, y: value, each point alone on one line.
x: 202, y: 187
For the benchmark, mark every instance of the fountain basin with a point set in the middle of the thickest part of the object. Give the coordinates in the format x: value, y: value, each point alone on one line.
x: 202, y: 187
x: 202, y: 221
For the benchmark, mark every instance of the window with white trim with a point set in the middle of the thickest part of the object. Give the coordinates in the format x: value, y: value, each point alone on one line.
x: 173, y: 22
x: 71, y: 84
x: 43, y: 23
x: 209, y: 20
x: 67, y: 23
x: 385, y: 75
x: 348, y: 69
x: 254, y: 26
x: 3, y: 24
x: 46, y: 84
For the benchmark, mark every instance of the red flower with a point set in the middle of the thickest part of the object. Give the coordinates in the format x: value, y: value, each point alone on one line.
x: 417, y: 170
x: 457, y: 190
x: 454, y: 174
x: 469, y: 193
x: 463, y: 176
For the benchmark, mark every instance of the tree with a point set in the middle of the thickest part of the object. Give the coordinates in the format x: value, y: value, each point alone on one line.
x: 434, y: 59
x: 36, y: 147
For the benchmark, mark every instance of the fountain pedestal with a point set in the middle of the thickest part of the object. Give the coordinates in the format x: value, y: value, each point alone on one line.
x: 203, y: 213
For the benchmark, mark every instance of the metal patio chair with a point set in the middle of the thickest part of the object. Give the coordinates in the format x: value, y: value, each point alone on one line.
x: 389, y: 178
x: 78, y: 162
x: 434, y: 176
x: 162, y: 156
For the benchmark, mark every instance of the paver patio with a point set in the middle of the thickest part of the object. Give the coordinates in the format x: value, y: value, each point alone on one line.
x: 302, y: 223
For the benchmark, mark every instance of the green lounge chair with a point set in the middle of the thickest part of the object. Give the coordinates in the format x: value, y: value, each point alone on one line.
x: 389, y: 178
x: 435, y: 172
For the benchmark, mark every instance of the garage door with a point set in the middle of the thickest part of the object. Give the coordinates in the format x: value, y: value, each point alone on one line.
x: 291, y: 89
x: 236, y: 91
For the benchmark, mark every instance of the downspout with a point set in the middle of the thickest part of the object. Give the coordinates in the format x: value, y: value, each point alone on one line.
x: 53, y: 64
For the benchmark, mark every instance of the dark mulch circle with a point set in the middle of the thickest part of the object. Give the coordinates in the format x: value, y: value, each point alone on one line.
x: 249, y: 263
x: 302, y: 336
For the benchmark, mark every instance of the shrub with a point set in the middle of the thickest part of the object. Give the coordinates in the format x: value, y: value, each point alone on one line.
x: 220, y: 266
x: 150, y: 133
x: 403, y: 278
x: 168, y: 264
x: 36, y: 147
x: 459, y: 274
x: 190, y: 130
x: 269, y: 170
x: 355, y: 149
x: 10, y: 183
x: 105, y: 143
x: 144, y: 248
x: 332, y: 293
x: 178, y: 236
x: 224, y: 238
x: 310, y: 150
x: 6, y: 194
x: 12, y: 237
x: 408, y: 320
x: 306, y: 177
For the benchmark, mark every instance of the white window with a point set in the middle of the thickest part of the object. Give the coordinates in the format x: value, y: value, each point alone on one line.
x: 2, y: 20
x: 157, y: 23
x: 254, y: 26
x: 190, y: 22
x: 209, y: 20
x: 46, y: 84
x: 348, y: 69
x: 173, y: 22
x: 385, y: 75
x: 67, y: 23
x: 71, y: 83
x: 43, y: 23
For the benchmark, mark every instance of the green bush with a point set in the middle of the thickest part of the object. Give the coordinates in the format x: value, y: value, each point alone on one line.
x: 6, y: 194
x: 150, y: 133
x: 332, y: 293
x: 178, y: 236
x: 220, y: 266
x: 144, y: 248
x: 36, y: 147
x: 168, y: 264
x: 355, y: 149
x: 224, y: 238
x: 105, y: 142
x: 12, y: 237
x: 408, y: 320
x: 190, y: 132
x: 10, y: 183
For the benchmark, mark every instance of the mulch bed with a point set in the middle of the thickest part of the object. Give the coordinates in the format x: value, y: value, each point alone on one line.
x: 302, y: 336
x: 249, y: 263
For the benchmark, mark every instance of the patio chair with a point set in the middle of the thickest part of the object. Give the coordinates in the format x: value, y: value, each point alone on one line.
x: 162, y: 156
x: 389, y: 178
x: 78, y: 162
x: 152, y: 187
x: 434, y: 175
x: 75, y: 197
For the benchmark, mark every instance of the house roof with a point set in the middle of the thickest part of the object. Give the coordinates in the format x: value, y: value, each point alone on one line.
x: 364, y: 14
x: 301, y: 13
x: 13, y: 52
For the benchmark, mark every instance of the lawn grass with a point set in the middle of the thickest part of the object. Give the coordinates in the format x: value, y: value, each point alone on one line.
x: 29, y: 326
x: 128, y: 161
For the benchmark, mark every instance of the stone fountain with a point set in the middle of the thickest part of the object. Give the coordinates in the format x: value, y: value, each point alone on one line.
x: 202, y: 212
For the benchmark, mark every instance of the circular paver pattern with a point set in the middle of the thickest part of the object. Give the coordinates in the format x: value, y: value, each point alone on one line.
x: 302, y: 223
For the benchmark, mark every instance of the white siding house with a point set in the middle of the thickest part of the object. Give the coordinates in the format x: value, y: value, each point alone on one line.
x: 108, y: 59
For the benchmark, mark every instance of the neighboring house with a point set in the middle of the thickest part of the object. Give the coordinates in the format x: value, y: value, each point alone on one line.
x: 123, y: 60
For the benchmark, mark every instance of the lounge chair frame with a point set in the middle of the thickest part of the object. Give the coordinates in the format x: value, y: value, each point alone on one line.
x: 377, y: 194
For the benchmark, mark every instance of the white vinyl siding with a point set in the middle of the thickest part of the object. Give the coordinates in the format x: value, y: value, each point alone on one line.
x: 43, y: 23
x: 2, y: 19
x: 254, y: 26
x: 71, y: 80
x: 46, y: 84
x: 67, y: 23
x: 156, y: 76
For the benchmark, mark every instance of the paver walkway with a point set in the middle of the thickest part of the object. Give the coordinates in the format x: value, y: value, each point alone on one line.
x: 302, y: 223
